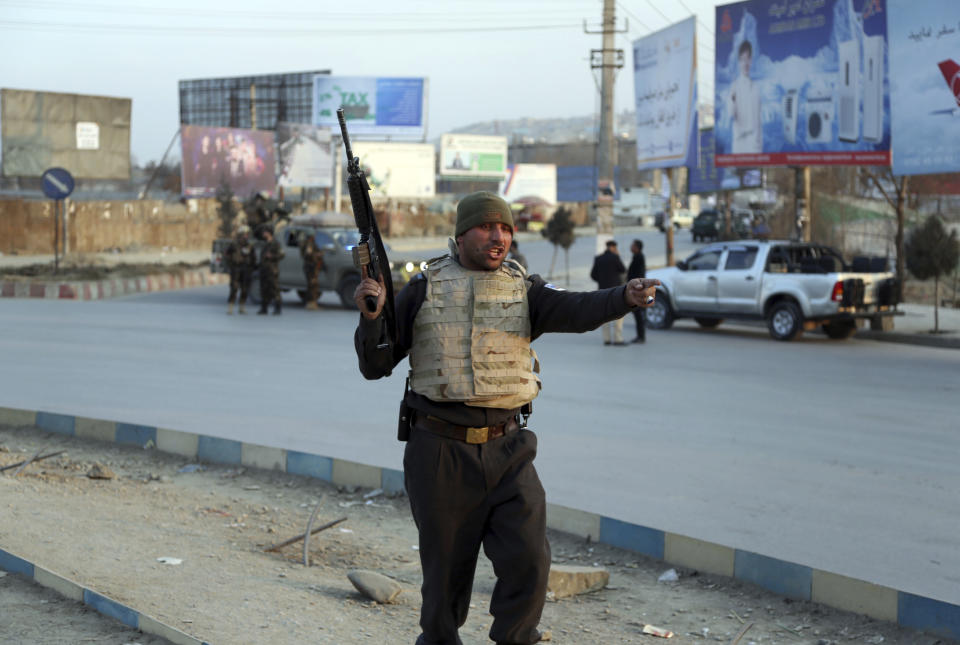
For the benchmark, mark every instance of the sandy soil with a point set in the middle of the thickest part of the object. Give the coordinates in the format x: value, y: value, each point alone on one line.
x: 108, y: 534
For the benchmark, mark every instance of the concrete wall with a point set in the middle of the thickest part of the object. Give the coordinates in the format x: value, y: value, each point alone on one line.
x: 26, y: 226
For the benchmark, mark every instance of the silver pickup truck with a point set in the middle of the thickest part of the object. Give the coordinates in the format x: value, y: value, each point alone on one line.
x: 792, y: 286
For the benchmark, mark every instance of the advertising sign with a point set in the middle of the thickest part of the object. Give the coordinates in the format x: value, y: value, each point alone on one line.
x: 473, y: 155
x: 244, y: 159
x: 373, y: 107
x: 665, y: 93
x: 305, y: 157
x: 530, y: 180
x: 705, y: 177
x: 398, y: 169
x: 925, y: 86
x: 802, y: 83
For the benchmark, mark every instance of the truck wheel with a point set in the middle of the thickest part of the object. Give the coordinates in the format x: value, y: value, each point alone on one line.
x: 659, y: 315
x: 785, y: 321
x: 346, y: 289
x: 840, y: 330
x: 696, y: 238
x: 708, y: 323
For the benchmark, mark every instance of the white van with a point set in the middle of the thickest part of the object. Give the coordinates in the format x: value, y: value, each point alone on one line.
x: 635, y: 206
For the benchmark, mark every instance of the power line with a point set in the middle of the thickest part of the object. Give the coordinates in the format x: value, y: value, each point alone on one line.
x: 292, y: 32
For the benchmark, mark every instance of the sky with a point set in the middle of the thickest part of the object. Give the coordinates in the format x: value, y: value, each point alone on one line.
x: 485, y: 59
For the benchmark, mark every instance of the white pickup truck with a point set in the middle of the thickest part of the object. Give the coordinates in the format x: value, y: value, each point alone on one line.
x: 792, y: 286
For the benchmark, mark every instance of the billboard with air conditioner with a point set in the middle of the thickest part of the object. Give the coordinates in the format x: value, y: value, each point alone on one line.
x: 925, y: 86
x: 802, y: 83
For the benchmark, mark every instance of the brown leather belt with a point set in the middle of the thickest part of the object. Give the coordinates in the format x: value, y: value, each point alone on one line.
x: 464, y: 433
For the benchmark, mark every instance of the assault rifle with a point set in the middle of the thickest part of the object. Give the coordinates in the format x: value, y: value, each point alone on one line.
x: 369, y: 252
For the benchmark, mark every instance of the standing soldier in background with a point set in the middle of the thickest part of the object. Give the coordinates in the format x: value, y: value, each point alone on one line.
x: 270, y: 257
x: 515, y: 254
x: 241, y: 262
x: 312, y: 265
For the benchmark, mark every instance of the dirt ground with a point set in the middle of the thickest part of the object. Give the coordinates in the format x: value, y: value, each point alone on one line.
x: 108, y: 534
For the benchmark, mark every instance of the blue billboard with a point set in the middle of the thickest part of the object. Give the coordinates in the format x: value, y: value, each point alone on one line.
x: 374, y: 108
x: 705, y: 177
x: 802, y: 83
x: 925, y: 86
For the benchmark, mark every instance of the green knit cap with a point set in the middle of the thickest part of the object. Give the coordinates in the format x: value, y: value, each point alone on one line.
x: 479, y: 208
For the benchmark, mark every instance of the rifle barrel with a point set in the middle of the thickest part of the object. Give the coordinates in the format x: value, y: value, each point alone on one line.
x: 346, y: 137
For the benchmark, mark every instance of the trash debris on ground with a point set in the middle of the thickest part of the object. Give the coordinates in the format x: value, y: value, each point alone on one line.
x: 373, y: 493
x: 169, y: 560
x: 652, y: 630
x: 191, y: 468
x: 670, y: 575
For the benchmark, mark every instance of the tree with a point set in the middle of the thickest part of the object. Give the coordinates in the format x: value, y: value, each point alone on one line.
x: 932, y: 253
x: 226, y: 208
x: 559, y: 231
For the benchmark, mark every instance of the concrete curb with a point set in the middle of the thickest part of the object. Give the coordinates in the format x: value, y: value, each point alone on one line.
x: 789, y: 579
x: 100, y: 289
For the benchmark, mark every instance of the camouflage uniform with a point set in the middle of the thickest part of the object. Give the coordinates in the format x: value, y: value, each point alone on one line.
x: 312, y: 265
x: 241, y: 262
x: 270, y: 257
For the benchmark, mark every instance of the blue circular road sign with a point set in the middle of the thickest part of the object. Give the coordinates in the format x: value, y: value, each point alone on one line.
x: 57, y: 183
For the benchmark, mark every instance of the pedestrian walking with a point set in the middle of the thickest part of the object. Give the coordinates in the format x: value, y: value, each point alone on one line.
x: 270, y: 256
x: 638, y: 269
x: 241, y: 263
x: 466, y: 323
x: 608, y: 271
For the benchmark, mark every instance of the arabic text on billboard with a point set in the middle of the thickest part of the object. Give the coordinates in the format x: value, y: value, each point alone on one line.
x: 403, y: 170
x: 305, y: 157
x: 665, y: 76
x: 380, y: 107
x: 802, y: 83
x: 925, y: 86
x: 473, y: 155
x: 705, y: 177
x: 244, y: 159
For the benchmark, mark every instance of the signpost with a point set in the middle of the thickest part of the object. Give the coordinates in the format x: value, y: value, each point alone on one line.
x: 57, y: 185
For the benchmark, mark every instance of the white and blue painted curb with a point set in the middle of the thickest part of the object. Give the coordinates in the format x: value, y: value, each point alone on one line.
x: 796, y: 581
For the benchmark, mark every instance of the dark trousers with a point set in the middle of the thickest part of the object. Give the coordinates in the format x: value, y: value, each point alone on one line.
x: 467, y: 495
x: 239, y: 281
x: 269, y: 292
x: 640, y: 316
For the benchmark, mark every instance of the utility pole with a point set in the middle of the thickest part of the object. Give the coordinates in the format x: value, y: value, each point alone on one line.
x: 608, y: 60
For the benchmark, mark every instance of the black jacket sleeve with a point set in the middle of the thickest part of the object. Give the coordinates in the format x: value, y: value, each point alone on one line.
x: 376, y: 355
x: 555, y: 310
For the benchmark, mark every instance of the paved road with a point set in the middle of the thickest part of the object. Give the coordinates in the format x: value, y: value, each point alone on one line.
x: 838, y: 455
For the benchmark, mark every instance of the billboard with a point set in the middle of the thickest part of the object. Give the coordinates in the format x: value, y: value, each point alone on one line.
x: 473, y: 155
x: 372, y: 107
x: 306, y: 160
x: 530, y: 180
x: 244, y: 159
x: 705, y: 177
x: 802, y: 83
x: 924, y: 86
x: 665, y: 96
x: 403, y: 170
x: 87, y: 135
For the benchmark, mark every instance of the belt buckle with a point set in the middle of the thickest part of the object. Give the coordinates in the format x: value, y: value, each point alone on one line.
x: 477, y: 435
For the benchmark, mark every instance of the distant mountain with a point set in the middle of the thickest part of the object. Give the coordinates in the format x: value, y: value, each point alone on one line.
x: 560, y: 130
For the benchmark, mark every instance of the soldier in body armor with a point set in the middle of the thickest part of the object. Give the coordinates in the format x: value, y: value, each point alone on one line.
x: 270, y: 257
x: 241, y: 262
x: 466, y: 324
x: 312, y: 265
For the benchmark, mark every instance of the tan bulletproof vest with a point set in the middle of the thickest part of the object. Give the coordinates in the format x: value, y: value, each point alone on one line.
x: 471, y: 338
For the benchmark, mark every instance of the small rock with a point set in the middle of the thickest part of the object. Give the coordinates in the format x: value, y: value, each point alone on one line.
x: 670, y: 575
x: 375, y: 586
x: 98, y: 471
x: 569, y: 580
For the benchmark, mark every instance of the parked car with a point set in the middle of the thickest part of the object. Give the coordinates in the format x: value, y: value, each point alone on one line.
x: 792, y: 286
x: 682, y: 218
x: 706, y: 226
x: 336, y: 235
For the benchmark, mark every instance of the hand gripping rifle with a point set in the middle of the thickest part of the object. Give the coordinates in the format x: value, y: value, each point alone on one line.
x: 369, y: 252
